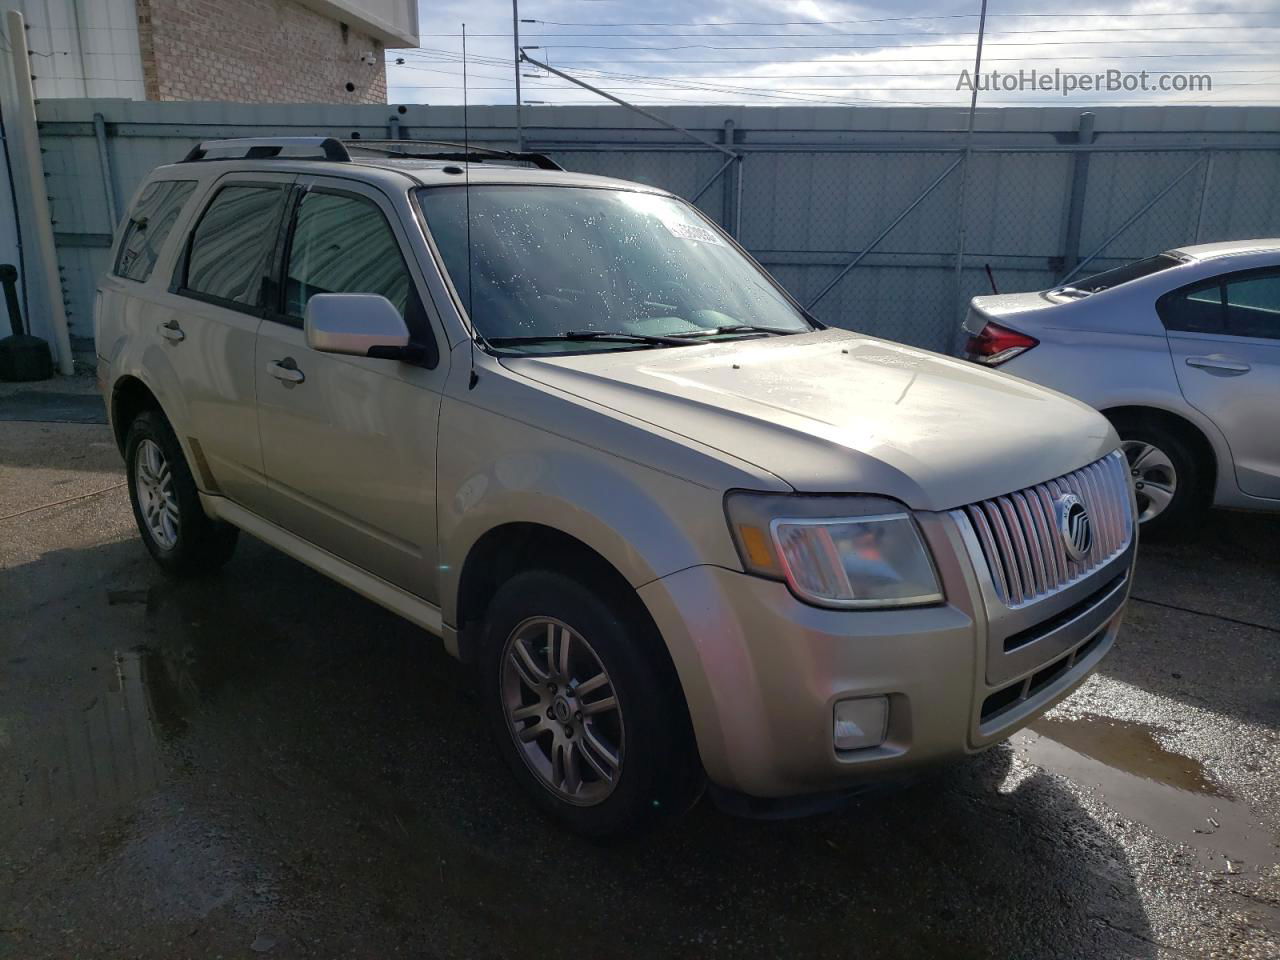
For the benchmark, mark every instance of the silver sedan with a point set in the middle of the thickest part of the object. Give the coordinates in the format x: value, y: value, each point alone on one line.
x: 1181, y: 351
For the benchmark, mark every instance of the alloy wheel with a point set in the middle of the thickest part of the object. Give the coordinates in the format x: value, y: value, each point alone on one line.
x: 1155, y: 481
x: 157, y: 501
x: 562, y: 711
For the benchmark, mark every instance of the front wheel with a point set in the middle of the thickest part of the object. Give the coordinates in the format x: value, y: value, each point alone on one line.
x: 588, y: 716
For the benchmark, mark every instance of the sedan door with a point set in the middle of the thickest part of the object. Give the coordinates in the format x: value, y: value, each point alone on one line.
x: 349, y: 443
x: 1224, y: 335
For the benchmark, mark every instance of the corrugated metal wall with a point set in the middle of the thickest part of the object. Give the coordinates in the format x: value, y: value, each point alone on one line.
x: 817, y: 185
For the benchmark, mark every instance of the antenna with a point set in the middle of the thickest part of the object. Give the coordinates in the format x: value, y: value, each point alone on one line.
x: 466, y: 173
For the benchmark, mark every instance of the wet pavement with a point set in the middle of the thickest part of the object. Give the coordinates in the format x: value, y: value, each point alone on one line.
x: 264, y: 764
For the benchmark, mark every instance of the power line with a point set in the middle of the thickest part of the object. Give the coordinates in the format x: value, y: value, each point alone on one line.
x: 917, y: 34
x: 836, y: 76
x: 738, y: 61
x: 643, y: 85
x: 1121, y: 56
x: 875, y: 46
x: 955, y: 16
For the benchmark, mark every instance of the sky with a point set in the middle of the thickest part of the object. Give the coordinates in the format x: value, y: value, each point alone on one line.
x: 829, y: 52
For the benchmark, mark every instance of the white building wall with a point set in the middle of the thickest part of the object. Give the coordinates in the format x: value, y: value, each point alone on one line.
x: 83, y: 48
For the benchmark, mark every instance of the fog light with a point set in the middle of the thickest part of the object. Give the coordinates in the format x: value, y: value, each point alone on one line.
x: 860, y: 723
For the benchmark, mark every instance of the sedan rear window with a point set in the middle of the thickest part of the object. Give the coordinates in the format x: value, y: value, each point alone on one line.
x: 1130, y: 271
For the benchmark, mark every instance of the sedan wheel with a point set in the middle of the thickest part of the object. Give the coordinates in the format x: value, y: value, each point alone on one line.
x: 562, y: 711
x: 1155, y: 481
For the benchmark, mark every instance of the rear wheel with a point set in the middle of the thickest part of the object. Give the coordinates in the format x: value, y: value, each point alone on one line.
x: 175, y: 529
x: 1166, y: 477
x: 589, y: 718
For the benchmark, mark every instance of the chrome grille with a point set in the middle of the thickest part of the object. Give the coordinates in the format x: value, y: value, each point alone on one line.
x: 1019, y: 533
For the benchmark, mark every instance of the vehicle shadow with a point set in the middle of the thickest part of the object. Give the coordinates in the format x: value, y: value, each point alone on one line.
x: 322, y: 773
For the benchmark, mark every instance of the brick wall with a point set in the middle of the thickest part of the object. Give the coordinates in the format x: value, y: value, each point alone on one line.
x: 255, y: 51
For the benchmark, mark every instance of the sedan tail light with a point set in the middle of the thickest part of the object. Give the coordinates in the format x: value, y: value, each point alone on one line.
x: 994, y: 344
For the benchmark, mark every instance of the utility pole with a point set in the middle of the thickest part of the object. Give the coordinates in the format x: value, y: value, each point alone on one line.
x: 515, y: 41
x: 967, y: 155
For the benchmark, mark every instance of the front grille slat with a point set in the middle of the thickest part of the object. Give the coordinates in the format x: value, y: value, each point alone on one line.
x: 1020, y: 538
x: 1033, y: 539
x: 1117, y: 485
x: 1102, y: 544
x: 1042, y: 511
x: 989, y: 549
x: 1021, y: 553
x: 1005, y: 544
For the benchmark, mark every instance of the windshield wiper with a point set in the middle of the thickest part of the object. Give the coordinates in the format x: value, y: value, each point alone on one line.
x: 735, y: 328
x: 607, y: 335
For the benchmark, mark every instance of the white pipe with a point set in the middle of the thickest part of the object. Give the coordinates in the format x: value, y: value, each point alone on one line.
x: 26, y: 140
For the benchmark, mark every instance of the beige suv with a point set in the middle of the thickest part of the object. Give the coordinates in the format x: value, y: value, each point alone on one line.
x: 684, y: 533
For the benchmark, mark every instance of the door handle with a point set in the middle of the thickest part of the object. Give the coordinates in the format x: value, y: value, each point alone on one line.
x: 172, y: 332
x: 1219, y: 365
x: 286, y: 371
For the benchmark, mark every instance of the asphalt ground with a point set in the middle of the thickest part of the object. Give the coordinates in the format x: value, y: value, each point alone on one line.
x: 264, y: 764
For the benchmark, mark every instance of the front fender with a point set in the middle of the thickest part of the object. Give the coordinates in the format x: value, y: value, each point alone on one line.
x: 645, y: 522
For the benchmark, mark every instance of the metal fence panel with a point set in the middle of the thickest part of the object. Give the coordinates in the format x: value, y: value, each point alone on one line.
x: 821, y: 188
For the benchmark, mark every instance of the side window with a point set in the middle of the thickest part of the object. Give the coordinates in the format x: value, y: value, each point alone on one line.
x: 1196, y: 309
x: 149, y: 224
x: 1253, y: 305
x: 232, y: 242
x: 343, y: 244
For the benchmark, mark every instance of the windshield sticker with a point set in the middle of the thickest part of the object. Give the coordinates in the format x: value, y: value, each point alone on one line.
x: 690, y: 231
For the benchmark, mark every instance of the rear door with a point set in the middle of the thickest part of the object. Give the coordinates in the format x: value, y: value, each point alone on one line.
x: 1224, y: 335
x: 349, y: 443
x: 208, y: 327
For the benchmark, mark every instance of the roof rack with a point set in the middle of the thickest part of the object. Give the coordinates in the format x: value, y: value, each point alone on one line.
x: 265, y: 148
x: 457, y: 152
x: 331, y: 148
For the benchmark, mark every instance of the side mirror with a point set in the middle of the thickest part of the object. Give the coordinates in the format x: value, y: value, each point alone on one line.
x: 355, y: 324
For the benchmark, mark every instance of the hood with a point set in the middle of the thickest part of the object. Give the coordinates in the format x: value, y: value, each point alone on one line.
x: 838, y: 412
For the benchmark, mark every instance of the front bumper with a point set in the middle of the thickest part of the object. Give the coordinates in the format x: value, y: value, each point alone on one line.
x: 762, y: 671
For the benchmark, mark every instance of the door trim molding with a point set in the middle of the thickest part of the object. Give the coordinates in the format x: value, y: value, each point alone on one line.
x: 412, y: 608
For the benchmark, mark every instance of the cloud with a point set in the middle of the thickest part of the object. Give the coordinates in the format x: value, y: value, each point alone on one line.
x: 815, y: 52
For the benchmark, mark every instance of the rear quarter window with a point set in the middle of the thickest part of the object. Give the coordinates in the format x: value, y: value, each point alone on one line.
x: 149, y: 224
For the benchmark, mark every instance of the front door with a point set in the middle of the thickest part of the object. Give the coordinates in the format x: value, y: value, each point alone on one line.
x: 1224, y: 335
x: 349, y: 443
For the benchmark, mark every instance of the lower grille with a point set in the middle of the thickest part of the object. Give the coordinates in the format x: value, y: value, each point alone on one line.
x: 1030, y: 687
x: 1020, y: 536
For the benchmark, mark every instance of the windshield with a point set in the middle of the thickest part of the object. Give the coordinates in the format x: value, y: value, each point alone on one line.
x: 550, y: 264
x: 1130, y: 271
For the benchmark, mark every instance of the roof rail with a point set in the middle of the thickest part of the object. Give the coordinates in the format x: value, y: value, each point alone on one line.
x: 457, y: 152
x: 264, y: 148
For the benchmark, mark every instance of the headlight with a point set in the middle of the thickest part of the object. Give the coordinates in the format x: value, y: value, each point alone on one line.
x: 835, y: 551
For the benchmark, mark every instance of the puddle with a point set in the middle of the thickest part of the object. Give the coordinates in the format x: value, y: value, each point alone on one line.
x: 1129, y: 747
x: 106, y: 752
x: 1170, y: 794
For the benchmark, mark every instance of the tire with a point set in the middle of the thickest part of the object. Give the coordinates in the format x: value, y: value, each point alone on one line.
x: 655, y: 775
x: 1160, y: 459
x: 177, y: 532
